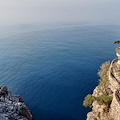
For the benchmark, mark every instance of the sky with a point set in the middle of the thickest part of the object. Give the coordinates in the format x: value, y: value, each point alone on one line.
x: 36, y: 11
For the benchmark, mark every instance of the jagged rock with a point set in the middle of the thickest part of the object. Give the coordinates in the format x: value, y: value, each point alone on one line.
x: 91, y: 116
x: 97, y: 107
x: 12, y: 107
x: 96, y: 92
x: 3, y: 90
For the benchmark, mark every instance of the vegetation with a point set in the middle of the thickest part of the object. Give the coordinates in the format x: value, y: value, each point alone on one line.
x: 103, y: 81
x: 116, y: 42
x: 103, y: 86
x: 88, y: 100
x: 95, y: 118
x: 103, y: 99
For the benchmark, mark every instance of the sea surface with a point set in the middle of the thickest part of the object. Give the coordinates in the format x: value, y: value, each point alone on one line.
x: 54, y: 66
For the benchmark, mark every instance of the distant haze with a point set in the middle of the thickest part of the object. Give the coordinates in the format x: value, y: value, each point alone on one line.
x: 36, y: 11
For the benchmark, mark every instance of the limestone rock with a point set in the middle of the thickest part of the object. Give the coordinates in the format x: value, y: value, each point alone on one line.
x: 91, y: 116
x: 112, y: 112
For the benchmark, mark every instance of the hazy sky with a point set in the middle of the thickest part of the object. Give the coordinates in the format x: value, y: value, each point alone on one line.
x: 35, y: 11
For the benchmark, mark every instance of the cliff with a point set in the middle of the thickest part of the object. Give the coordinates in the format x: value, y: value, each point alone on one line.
x: 12, y: 107
x: 111, y: 111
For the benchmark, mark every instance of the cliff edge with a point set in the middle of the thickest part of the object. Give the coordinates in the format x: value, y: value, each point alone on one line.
x: 106, y: 107
x: 12, y: 107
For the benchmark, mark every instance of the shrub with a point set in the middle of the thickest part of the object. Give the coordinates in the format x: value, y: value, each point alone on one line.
x: 103, y: 99
x: 103, y: 81
x: 88, y: 100
x: 103, y: 85
x: 103, y: 69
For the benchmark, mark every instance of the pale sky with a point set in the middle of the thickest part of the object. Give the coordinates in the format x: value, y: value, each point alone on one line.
x: 36, y: 11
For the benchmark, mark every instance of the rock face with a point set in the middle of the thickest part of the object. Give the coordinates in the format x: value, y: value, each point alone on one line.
x: 113, y: 113
x: 12, y: 107
x: 98, y: 110
x: 115, y: 87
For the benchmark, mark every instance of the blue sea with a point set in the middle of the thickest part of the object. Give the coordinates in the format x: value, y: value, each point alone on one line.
x: 53, y: 66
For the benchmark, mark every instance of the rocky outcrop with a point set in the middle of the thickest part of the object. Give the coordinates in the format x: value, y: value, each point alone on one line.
x: 115, y: 86
x: 99, y: 111
x: 12, y: 107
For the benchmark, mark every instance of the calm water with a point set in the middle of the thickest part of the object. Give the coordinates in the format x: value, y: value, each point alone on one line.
x: 53, y: 67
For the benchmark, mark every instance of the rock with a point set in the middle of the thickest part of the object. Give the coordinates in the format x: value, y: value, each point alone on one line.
x: 12, y: 107
x: 90, y: 116
x: 111, y: 111
x: 3, y: 90
x: 23, y: 110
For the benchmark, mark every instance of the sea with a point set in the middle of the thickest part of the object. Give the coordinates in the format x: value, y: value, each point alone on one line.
x: 53, y: 66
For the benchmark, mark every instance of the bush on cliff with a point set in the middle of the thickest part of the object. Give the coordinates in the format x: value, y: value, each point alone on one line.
x: 103, y: 81
x: 103, y: 69
x: 88, y: 100
x: 103, y: 99
x: 103, y: 87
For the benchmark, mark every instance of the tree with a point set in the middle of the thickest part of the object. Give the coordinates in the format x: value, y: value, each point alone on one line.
x: 116, y: 42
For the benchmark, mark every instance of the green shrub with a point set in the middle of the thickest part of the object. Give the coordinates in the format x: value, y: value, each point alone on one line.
x: 95, y: 118
x: 88, y: 100
x: 103, y: 86
x: 103, y: 81
x: 103, y: 69
x: 103, y: 99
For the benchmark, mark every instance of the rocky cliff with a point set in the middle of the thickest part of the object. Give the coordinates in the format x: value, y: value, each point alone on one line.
x: 12, y: 107
x: 111, y: 111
